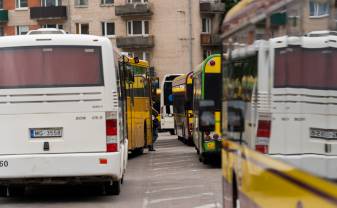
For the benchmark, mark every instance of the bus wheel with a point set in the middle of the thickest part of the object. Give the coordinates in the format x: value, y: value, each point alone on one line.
x: 172, y: 132
x: 16, y: 191
x: 113, y: 188
x: 3, y: 191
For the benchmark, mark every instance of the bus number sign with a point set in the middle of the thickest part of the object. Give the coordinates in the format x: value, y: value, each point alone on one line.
x: 3, y: 163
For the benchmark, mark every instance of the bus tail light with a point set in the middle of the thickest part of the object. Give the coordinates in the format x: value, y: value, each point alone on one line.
x: 262, y: 136
x: 111, y: 132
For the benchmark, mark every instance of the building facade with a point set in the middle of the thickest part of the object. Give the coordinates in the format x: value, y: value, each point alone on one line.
x: 175, y: 36
x: 272, y: 18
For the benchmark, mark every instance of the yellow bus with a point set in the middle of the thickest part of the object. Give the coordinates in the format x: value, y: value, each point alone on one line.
x: 182, y: 89
x: 136, y: 86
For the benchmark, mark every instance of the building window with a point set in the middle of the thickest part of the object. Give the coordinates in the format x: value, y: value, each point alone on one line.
x: 21, y: 3
x: 49, y: 3
x: 57, y: 26
x: 82, y: 28
x: 319, y: 8
x: 1, y: 4
x: 142, y: 55
x: 2, y: 31
x: 137, y: 1
x: 138, y: 27
x: 104, y: 2
x: 22, y: 30
x: 206, y: 25
x: 108, y: 29
x: 81, y: 2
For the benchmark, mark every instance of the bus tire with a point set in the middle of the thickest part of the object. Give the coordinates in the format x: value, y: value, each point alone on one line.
x: 113, y: 188
x: 3, y: 191
x: 16, y: 191
x: 172, y: 132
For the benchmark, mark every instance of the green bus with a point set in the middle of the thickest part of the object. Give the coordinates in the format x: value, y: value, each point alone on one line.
x: 207, y: 83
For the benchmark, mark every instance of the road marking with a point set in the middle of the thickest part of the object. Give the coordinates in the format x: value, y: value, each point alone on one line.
x: 174, y: 189
x: 156, y: 201
x: 216, y: 205
x: 173, y: 173
x: 170, y: 162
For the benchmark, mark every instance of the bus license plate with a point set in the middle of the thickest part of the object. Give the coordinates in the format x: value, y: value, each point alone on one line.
x: 46, y: 132
x: 327, y: 134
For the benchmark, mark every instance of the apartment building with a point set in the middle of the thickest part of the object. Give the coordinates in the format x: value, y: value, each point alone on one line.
x: 263, y: 19
x: 173, y: 35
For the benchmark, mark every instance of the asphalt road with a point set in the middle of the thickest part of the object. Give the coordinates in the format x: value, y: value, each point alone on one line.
x: 170, y: 177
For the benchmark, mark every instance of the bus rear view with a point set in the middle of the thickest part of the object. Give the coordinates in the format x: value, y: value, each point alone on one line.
x: 166, y: 103
x: 59, y: 111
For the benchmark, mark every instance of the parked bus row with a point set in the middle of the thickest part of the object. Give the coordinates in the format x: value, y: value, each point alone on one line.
x: 195, y: 90
x: 71, y: 109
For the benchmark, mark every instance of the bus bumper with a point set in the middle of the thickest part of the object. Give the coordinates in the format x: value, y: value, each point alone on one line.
x: 60, y: 168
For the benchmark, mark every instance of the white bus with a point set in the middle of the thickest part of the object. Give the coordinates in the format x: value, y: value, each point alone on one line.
x: 61, y: 119
x: 284, y: 93
x: 166, y: 103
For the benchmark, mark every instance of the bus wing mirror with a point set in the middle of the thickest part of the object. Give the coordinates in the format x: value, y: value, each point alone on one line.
x: 206, y: 115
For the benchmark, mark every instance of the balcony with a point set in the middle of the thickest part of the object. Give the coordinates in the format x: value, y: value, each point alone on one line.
x: 53, y: 12
x: 3, y: 16
x: 135, y: 42
x: 210, y: 40
x: 212, y: 7
x: 133, y: 10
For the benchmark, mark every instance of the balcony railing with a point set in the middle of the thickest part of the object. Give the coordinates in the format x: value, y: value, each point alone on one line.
x: 3, y: 15
x: 135, y: 42
x: 212, y: 7
x: 53, y: 12
x: 210, y: 40
x: 137, y: 9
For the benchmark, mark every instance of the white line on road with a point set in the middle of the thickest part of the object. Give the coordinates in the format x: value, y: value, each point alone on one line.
x: 170, y: 162
x: 156, y: 201
x: 209, y: 206
x: 174, y: 189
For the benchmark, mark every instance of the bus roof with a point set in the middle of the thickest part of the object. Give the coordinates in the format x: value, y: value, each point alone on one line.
x: 181, y: 80
x: 53, y: 39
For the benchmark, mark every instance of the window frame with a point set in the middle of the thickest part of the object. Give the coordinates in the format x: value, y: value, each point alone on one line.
x: 18, y: 29
x: 141, y: 2
x: 317, y: 5
x: 105, y: 23
x: 80, y: 28
x: 208, y: 25
x: 44, y: 3
x: 77, y: 3
x: 18, y: 4
x: 103, y: 3
x: 143, y: 22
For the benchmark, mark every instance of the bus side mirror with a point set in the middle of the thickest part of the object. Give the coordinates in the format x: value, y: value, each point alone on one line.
x: 206, y: 115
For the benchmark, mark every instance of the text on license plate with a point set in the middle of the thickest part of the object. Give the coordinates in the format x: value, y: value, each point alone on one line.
x: 327, y: 134
x: 46, y: 132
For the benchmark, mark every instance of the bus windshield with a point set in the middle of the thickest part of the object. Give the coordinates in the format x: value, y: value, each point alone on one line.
x: 50, y: 66
x: 318, y: 71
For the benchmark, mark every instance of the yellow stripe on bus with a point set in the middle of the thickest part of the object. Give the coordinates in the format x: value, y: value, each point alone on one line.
x: 271, y: 183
